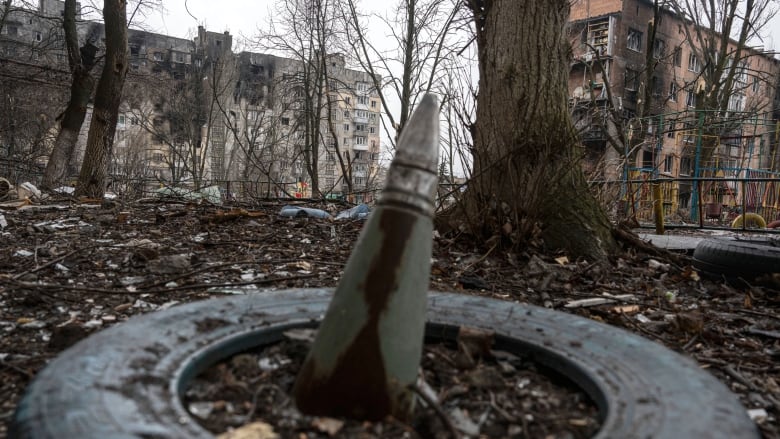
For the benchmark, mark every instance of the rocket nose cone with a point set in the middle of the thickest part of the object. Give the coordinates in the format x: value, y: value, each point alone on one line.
x: 419, y: 142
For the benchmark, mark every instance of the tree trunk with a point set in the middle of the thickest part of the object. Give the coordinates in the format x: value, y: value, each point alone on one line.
x: 100, y: 140
x: 528, y: 181
x: 80, y: 92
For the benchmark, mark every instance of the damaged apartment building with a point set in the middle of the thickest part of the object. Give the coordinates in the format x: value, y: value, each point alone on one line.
x: 196, y: 113
x: 634, y: 96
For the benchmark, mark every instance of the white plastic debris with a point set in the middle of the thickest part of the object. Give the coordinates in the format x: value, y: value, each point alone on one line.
x: 757, y: 415
x: 35, y: 324
x: 201, y: 409
x: 642, y: 318
x: 69, y: 190
x: 3, y: 222
x: 657, y: 266
x: 462, y: 422
x: 95, y: 323
x: 23, y: 253
x: 28, y: 190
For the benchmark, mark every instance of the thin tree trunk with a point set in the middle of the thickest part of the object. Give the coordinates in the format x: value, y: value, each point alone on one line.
x: 100, y: 141
x: 80, y: 91
x: 528, y: 181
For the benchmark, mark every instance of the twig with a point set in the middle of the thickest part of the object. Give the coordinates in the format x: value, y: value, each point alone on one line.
x: 437, y: 408
x: 758, y: 313
x: 738, y: 377
x: 690, y: 342
x: 468, y: 267
x: 28, y: 374
x: 53, y: 261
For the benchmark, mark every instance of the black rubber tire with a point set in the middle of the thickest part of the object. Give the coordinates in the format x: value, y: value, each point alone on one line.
x: 738, y: 257
x: 125, y: 382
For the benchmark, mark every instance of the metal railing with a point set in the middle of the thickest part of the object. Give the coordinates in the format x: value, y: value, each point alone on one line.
x: 703, y: 202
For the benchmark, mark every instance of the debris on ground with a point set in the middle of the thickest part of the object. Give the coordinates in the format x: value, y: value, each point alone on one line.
x: 69, y: 269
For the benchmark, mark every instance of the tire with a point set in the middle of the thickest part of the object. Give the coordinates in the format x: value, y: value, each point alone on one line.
x: 733, y: 258
x: 125, y: 382
x: 750, y: 218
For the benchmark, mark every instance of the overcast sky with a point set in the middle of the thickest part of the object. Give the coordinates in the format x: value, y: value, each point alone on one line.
x: 242, y: 18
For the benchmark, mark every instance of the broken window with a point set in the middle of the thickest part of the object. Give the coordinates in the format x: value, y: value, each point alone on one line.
x: 685, y: 166
x: 670, y: 129
x: 673, y: 91
x: 690, y: 100
x: 659, y: 48
x: 647, y: 159
x: 598, y: 35
x: 631, y: 85
x: 737, y: 102
x: 656, y: 87
x: 632, y: 80
x: 678, y: 57
x: 756, y: 84
x: 693, y: 63
x: 668, y: 162
x: 634, y: 40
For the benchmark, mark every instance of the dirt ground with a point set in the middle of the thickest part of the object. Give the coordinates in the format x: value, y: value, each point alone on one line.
x: 68, y: 269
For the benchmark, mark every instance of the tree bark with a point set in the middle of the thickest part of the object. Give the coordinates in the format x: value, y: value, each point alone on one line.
x: 76, y: 110
x: 100, y: 140
x: 528, y: 181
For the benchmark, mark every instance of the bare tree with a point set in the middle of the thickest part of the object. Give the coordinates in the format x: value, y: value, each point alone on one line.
x: 424, y: 36
x: 304, y: 31
x: 528, y: 182
x: 32, y: 85
x: 92, y: 178
x: 81, y: 61
x: 719, y: 34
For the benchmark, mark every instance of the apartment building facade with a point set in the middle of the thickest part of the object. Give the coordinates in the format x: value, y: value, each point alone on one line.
x: 620, y: 103
x: 194, y: 113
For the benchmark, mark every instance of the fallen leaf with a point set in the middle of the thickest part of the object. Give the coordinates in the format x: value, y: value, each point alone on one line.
x: 626, y: 309
x: 330, y: 426
x: 255, y: 430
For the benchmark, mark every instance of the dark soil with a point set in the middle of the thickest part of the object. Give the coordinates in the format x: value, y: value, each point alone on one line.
x: 502, y: 395
x: 69, y: 269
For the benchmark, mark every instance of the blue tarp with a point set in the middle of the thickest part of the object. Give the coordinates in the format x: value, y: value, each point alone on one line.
x: 295, y: 211
x: 360, y: 211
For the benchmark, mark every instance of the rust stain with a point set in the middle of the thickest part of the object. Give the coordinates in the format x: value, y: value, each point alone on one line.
x: 358, y: 386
